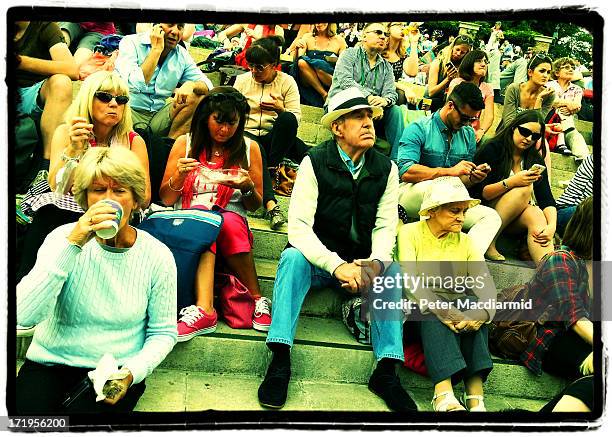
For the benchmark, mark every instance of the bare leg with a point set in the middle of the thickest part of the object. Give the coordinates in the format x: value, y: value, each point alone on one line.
x: 533, y: 219
x: 181, y: 116
x: 56, y: 94
x: 325, y: 78
x: 308, y: 75
x: 509, y: 206
x: 243, y: 266
x: 441, y: 387
x: 270, y: 204
x: 473, y: 386
x: 570, y: 404
x: 204, y: 282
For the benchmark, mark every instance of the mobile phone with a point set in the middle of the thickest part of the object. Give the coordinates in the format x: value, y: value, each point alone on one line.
x: 449, y: 65
x: 78, y: 391
x: 537, y: 168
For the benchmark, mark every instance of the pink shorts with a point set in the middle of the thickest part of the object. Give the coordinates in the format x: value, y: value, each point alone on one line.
x: 234, y: 236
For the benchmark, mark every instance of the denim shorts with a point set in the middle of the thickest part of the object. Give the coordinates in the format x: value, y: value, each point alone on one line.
x: 28, y: 103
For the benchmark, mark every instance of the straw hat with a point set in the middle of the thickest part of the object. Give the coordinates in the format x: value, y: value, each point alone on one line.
x: 443, y: 190
x: 346, y: 101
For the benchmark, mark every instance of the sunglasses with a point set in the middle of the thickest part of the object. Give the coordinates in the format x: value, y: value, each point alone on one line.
x: 105, y: 97
x: 539, y: 56
x: 526, y: 133
x: 463, y: 117
x: 257, y: 67
x: 379, y: 33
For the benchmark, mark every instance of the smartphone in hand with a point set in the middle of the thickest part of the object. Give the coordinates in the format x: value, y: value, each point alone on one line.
x: 537, y: 168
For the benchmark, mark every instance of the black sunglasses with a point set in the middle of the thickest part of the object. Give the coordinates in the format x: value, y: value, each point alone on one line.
x: 379, y: 32
x: 105, y: 97
x: 463, y: 117
x: 526, y: 133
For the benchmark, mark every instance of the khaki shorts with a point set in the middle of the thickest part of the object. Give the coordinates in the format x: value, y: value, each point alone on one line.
x: 159, y: 121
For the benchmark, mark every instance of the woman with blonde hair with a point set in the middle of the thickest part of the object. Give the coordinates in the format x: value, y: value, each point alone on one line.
x: 91, y: 297
x: 446, y: 68
x: 317, y: 51
x: 395, y: 53
x: 99, y: 116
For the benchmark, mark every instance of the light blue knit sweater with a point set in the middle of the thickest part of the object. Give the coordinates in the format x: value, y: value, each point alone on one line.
x: 89, y: 302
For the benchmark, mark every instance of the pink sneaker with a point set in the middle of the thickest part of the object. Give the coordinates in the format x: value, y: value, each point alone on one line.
x: 194, y: 321
x: 261, y: 316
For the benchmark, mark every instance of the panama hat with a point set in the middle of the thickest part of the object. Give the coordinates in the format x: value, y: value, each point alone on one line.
x: 443, y: 190
x: 346, y: 101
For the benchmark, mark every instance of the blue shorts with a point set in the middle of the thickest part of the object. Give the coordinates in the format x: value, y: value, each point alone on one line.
x: 28, y: 104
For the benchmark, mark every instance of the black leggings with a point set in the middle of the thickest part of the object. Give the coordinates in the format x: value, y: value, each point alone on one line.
x: 46, y: 219
x: 280, y: 142
x: 41, y: 389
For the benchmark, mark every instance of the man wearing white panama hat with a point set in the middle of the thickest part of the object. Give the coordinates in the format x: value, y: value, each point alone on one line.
x: 342, y: 227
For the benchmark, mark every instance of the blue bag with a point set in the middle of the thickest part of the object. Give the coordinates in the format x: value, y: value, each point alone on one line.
x: 188, y: 233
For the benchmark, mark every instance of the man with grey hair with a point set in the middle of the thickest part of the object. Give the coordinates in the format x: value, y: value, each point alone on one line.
x: 342, y: 228
x: 364, y: 67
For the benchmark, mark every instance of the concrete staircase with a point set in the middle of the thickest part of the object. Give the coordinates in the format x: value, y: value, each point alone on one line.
x: 223, y: 370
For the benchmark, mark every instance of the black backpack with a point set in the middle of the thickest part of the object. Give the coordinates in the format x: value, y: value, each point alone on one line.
x: 158, y: 150
x: 28, y: 152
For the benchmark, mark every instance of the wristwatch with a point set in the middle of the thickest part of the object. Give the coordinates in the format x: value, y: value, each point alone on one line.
x: 505, y: 184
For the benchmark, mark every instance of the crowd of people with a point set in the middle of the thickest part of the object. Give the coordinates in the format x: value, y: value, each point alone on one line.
x: 355, y: 207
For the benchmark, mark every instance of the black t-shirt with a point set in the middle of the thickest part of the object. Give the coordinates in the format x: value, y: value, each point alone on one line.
x: 36, y: 41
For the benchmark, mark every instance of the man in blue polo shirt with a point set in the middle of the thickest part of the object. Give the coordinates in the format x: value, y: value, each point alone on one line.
x: 444, y: 144
x: 154, y: 65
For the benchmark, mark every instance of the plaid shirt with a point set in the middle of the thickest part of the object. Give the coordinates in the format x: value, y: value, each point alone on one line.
x: 560, y: 283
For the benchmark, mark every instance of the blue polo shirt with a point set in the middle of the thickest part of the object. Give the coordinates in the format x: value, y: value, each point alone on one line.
x: 426, y: 142
x: 178, y: 68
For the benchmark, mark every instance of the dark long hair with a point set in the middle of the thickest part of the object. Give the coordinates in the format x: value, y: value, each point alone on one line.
x: 504, y: 138
x: 228, y: 102
x: 578, y: 234
x: 265, y: 50
x: 466, y: 68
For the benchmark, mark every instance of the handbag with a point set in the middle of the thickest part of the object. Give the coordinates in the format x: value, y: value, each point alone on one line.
x: 236, y: 303
x: 284, y: 177
x: 510, y: 337
x: 188, y: 233
x: 357, y: 325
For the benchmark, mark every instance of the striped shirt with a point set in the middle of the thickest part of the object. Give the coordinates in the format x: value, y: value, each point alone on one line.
x: 580, y: 187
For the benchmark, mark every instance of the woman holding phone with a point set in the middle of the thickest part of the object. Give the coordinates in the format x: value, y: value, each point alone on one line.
x: 444, y: 69
x: 517, y: 185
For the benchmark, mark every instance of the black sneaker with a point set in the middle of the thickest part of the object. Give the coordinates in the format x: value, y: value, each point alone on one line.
x: 276, y: 217
x: 272, y: 392
x: 389, y: 389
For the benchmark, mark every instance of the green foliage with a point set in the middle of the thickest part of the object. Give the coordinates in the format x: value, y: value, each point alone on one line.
x: 571, y: 40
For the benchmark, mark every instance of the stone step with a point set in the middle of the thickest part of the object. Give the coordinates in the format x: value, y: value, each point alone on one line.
x: 178, y: 391
x: 320, y: 342
x: 173, y: 391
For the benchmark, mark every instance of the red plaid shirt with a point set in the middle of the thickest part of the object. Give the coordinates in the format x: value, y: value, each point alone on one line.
x: 561, y: 284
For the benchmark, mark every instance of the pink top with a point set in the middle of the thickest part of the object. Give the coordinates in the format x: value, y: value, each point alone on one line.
x: 103, y: 27
x: 485, y: 88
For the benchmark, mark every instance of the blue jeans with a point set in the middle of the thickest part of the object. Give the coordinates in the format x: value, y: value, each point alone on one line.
x: 393, y: 119
x: 295, y: 276
x: 563, y: 217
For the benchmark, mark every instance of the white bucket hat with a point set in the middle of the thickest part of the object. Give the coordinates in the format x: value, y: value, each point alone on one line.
x: 443, y: 190
x: 346, y: 101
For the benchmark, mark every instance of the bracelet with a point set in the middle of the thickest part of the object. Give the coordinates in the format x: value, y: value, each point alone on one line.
x: 170, y: 186
x: 382, y: 266
x: 67, y: 158
x: 505, y: 184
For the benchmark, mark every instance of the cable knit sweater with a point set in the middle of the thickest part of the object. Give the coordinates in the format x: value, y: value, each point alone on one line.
x: 91, y: 301
x: 260, y: 121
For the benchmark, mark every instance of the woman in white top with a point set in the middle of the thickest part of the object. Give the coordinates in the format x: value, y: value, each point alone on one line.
x: 193, y: 178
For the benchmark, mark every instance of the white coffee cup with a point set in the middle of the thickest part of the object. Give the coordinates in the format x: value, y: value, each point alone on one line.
x: 112, y: 226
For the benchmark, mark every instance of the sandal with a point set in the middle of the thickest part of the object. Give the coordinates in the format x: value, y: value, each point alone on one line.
x: 449, y: 400
x: 478, y: 408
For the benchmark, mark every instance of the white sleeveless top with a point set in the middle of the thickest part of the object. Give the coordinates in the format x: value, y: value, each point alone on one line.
x: 205, y: 191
